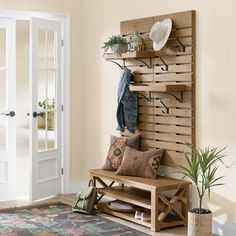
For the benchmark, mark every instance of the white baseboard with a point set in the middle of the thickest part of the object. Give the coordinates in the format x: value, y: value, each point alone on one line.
x: 223, y: 228
x: 75, y: 186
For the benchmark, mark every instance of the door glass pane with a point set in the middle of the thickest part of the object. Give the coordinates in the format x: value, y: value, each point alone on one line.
x: 42, y: 126
x: 42, y: 90
x: 2, y: 90
x: 42, y: 50
x: 2, y: 47
x: 51, y: 130
x: 51, y: 49
x: 2, y: 133
x: 51, y: 89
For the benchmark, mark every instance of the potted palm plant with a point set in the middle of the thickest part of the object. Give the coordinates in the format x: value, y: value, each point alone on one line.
x: 201, y: 169
x: 116, y: 43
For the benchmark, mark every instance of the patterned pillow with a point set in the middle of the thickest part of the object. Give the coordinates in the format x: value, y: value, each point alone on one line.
x: 140, y: 164
x: 117, y: 150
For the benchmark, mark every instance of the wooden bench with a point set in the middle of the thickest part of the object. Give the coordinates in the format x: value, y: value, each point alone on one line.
x: 147, y: 193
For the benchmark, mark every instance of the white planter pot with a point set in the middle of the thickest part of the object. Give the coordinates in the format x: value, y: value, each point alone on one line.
x: 119, y: 48
x: 199, y: 224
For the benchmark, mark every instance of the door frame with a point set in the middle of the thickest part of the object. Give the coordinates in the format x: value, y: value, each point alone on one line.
x: 64, y: 18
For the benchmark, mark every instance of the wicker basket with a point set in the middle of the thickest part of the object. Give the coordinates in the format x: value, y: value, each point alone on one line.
x: 199, y: 224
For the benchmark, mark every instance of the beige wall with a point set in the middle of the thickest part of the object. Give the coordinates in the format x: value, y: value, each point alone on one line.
x: 94, y: 81
x: 216, y: 83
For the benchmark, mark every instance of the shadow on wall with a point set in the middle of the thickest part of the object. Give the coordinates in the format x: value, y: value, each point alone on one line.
x: 222, y: 227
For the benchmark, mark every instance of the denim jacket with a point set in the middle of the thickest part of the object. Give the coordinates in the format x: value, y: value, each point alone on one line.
x: 127, y: 111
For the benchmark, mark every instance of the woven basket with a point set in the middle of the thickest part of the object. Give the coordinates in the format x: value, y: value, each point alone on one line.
x: 199, y: 224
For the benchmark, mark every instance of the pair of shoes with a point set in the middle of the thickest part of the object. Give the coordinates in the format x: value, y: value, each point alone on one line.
x: 143, y: 216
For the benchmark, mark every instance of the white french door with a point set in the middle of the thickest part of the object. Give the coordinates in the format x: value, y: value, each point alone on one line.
x: 7, y: 110
x: 45, y: 86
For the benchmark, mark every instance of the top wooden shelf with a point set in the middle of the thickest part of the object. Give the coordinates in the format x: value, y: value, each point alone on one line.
x: 158, y: 88
x: 130, y: 55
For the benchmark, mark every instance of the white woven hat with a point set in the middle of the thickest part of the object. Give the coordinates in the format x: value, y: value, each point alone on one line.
x: 160, y: 33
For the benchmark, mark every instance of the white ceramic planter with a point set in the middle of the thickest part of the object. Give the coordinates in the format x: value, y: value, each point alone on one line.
x: 119, y: 48
x: 199, y: 224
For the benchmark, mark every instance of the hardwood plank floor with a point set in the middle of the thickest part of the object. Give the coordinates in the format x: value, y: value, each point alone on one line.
x: 70, y: 199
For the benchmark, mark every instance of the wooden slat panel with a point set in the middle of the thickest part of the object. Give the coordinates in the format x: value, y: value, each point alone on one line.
x: 186, y: 96
x: 165, y: 128
x: 179, y: 20
x: 141, y: 70
x: 174, y: 68
x: 137, y: 25
x: 188, y: 85
x: 169, y: 131
x: 166, y: 137
x: 172, y: 158
x: 173, y: 137
x: 168, y: 102
x: 187, y: 32
x: 173, y: 51
x: 158, y: 87
x: 179, y: 33
x: 172, y: 146
x: 172, y: 111
x: 173, y: 60
x: 143, y: 78
x: 172, y: 120
x: 173, y: 77
x: 172, y: 42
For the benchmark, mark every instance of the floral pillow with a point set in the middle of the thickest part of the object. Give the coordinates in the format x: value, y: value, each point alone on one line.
x: 117, y: 150
x: 140, y: 164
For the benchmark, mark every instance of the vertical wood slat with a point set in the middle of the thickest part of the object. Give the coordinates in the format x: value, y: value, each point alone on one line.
x: 158, y: 130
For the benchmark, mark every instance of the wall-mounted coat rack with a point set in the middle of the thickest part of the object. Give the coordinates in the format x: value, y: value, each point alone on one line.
x: 166, y: 81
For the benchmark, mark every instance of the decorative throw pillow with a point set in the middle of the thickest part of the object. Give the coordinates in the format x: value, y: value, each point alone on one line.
x: 140, y: 164
x: 117, y: 150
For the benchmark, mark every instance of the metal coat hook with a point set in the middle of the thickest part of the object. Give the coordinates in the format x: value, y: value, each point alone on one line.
x: 166, y: 66
x: 181, y: 47
x: 167, y: 109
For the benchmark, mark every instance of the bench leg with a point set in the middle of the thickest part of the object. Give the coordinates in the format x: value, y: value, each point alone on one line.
x: 154, y: 210
x: 185, y: 205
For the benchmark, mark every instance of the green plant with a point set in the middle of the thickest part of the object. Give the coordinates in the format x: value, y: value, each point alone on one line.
x: 49, y: 104
x: 202, y: 168
x: 115, y: 39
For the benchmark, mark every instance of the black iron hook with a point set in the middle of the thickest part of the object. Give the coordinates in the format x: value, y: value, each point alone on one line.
x: 181, y: 47
x: 167, y: 109
x: 166, y: 66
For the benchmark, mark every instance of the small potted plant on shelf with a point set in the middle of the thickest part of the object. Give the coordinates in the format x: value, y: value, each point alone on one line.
x: 117, y: 44
x: 201, y: 169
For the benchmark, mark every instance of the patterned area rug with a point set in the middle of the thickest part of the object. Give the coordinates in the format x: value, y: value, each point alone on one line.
x: 58, y: 219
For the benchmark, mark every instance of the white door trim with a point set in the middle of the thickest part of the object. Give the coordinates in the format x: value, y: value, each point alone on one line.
x: 65, y: 19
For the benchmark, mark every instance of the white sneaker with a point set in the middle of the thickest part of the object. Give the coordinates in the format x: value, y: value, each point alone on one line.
x: 137, y: 215
x: 146, y: 216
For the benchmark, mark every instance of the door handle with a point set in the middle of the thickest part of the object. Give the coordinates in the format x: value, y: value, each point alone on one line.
x: 11, y: 114
x: 35, y: 114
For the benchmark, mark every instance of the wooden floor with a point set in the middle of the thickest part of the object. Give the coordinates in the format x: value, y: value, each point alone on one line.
x: 70, y: 198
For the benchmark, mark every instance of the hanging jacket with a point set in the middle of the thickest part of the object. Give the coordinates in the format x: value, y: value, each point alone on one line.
x: 127, y: 111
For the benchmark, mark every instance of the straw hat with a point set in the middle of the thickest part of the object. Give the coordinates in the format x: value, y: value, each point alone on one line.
x: 160, y: 33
